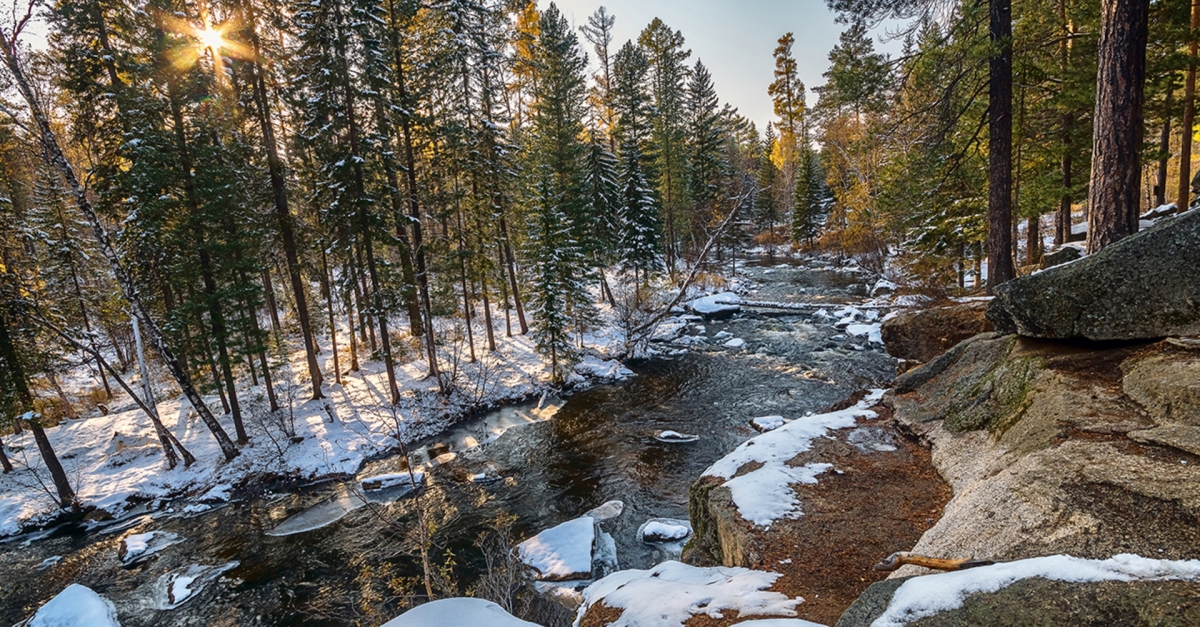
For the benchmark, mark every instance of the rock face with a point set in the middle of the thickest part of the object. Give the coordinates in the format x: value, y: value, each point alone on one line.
x: 922, y: 335
x: 1060, y: 256
x: 1145, y: 286
x: 1044, y: 602
x: 1059, y: 449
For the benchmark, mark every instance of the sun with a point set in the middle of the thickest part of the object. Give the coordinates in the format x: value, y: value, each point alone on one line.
x: 211, y: 38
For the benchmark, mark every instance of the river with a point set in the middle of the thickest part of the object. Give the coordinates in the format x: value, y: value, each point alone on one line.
x: 599, y: 446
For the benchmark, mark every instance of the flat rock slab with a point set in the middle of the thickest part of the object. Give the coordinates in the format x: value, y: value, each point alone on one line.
x: 1145, y: 286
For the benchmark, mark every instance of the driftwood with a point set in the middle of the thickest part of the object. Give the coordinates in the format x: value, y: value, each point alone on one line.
x: 896, y: 560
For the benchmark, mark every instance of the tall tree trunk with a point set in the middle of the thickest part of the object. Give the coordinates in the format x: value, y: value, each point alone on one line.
x: 999, y: 212
x: 208, y: 281
x: 327, y: 287
x: 364, y: 223
x: 1164, y: 157
x: 414, y: 205
x: 504, y: 292
x: 4, y: 462
x: 511, y: 262
x: 49, y: 141
x: 272, y: 306
x: 1189, y: 115
x: 1117, y: 138
x: 283, y: 214
x: 403, y: 247
x: 66, y: 496
x: 349, y: 305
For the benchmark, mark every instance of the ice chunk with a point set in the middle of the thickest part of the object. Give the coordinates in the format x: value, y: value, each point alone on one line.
x: 180, y: 586
x: 675, y: 437
x: 607, y: 511
x: 448, y: 612
x: 870, y: 331
x: 736, y: 342
x: 322, y: 514
x: 562, y: 552
x: 76, y: 606
x: 140, y: 546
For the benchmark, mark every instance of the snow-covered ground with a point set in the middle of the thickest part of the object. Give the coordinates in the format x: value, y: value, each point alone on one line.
x: 462, y: 611
x: 76, y: 606
x: 114, y: 458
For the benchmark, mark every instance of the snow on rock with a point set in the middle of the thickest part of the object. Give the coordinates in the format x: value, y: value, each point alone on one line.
x: 721, y: 302
x: 780, y: 622
x: 765, y: 495
x: 925, y: 596
x: 767, y: 423
x: 736, y: 342
x: 671, y: 593
x: 675, y: 437
x: 140, y: 546
x: 882, y: 287
x: 563, y: 552
x: 454, y: 612
x: 76, y: 606
x: 664, y: 531
x: 668, y: 330
x: 607, y: 370
x: 870, y: 331
x: 180, y: 586
x: 393, y: 480
x: 607, y: 511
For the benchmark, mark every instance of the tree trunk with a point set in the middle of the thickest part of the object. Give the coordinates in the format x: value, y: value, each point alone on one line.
x: 66, y: 496
x: 999, y: 212
x: 1164, y: 157
x: 1189, y: 115
x: 505, y: 243
x: 1120, y: 80
x: 327, y: 288
x: 283, y: 214
x: 54, y: 153
x: 4, y: 463
x: 269, y: 291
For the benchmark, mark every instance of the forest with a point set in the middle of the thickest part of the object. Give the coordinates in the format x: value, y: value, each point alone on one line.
x: 281, y: 191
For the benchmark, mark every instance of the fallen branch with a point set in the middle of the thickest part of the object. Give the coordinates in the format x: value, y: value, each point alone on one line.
x: 799, y: 306
x: 653, y: 322
x: 898, y: 559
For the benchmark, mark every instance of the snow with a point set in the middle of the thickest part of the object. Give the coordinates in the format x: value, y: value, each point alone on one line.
x: 664, y: 531
x: 674, y: 437
x: 736, y: 342
x: 562, y: 552
x: 765, y: 495
x: 780, y: 622
x: 604, y: 370
x: 320, y: 515
x: 607, y: 511
x: 721, y: 302
x: 391, y: 480
x: 883, y: 286
x: 671, y: 593
x: 870, y: 331
x: 767, y: 423
x: 114, y: 460
x: 180, y: 586
x: 454, y: 612
x: 49, y: 562
x: 925, y: 596
x: 76, y: 606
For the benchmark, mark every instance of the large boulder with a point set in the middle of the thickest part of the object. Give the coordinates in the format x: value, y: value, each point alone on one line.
x: 1145, y: 286
x: 922, y: 335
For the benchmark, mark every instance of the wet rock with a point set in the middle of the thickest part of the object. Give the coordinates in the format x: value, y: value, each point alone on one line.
x: 925, y: 334
x: 1145, y: 286
x: 1044, y: 602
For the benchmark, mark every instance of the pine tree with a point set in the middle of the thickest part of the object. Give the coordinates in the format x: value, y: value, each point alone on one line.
x: 706, y: 166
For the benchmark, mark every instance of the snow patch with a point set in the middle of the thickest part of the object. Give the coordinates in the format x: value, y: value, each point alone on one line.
x: 768, y: 423
x: 462, y: 611
x: 764, y: 495
x: 562, y: 552
x: 721, y: 302
x: 664, y: 531
x: 76, y: 606
x: 671, y: 593
x: 736, y: 342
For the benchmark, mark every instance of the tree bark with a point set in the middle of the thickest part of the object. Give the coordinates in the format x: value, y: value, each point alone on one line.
x: 1189, y: 115
x: 1117, y: 136
x: 999, y: 212
x: 4, y: 462
x: 49, y: 141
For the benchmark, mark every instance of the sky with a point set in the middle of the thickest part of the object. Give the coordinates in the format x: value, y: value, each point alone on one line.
x: 734, y: 38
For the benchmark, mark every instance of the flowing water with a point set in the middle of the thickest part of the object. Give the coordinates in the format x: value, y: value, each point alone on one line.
x: 546, y: 468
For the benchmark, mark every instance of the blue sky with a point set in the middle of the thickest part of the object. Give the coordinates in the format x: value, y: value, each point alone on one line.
x: 734, y: 38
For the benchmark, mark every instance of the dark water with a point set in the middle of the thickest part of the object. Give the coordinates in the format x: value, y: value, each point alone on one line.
x: 599, y: 447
